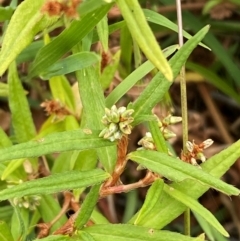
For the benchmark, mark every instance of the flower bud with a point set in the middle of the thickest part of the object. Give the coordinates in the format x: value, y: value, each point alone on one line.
x: 121, y: 110
x: 160, y: 124
x: 174, y: 120
x: 117, y: 135
x: 168, y: 134
x: 115, y: 117
x: 189, y: 146
x: 103, y: 132
x: 114, y: 108
x: 113, y: 127
x: 148, y: 145
x: 125, y: 128
x: 105, y: 120
x: 127, y: 114
x: 107, y: 113
x: 207, y: 143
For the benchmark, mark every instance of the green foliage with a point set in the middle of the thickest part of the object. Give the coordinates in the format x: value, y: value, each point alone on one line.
x: 38, y: 168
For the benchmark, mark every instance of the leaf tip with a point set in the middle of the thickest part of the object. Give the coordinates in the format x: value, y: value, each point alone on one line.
x: 169, y: 75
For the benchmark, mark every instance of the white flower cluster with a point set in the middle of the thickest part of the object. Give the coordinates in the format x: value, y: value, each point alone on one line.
x: 117, y: 122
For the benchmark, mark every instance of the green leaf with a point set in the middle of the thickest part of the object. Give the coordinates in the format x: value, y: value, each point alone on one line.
x: 209, y: 230
x: 133, y: 78
x: 20, y: 223
x: 126, y: 232
x: 61, y: 164
x: 98, y: 218
x: 93, y: 99
x: 109, y: 71
x: 55, y: 238
x: 22, y: 121
x: 90, y: 5
x: 141, y: 32
x: 70, y: 64
x: 61, y: 90
x: 215, y: 166
x: 4, y: 90
x: 195, y: 206
x: 78, y: 29
x: 50, y: 127
x: 128, y: 83
x: 26, y: 22
x: 71, y: 123
x: 158, y: 137
x: 87, y: 207
x: 214, y: 79
x: 57, y: 142
x: 159, y: 85
x: 159, y: 19
x: 84, y: 160
x: 6, y: 213
x: 11, y: 167
x: 143, y: 118
x: 29, y: 53
x: 5, y: 233
x: 153, y: 196
x: 177, y: 170
x: 6, y: 13
x: 209, y: 5
x: 126, y: 44
x: 132, y: 201
x: 102, y: 29
x: 111, y: 29
x: 55, y: 183
x: 4, y: 139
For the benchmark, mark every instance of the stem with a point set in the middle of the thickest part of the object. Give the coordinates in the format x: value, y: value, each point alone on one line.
x: 183, y: 107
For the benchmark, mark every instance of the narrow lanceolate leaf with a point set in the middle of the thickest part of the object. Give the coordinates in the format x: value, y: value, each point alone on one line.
x: 70, y: 64
x: 102, y: 30
x: 93, y: 110
x: 61, y: 90
x: 4, y: 139
x: 159, y: 85
x: 87, y: 207
x: 78, y: 29
x: 5, y: 232
x: 55, y: 183
x: 58, y: 142
x: 22, y: 121
x: 159, y: 19
x: 195, y: 206
x: 6, y: 13
x: 26, y: 22
x: 134, y: 77
x: 153, y: 196
x: 4, y: 90
x: 11, y: 167
x: 158, y: 137
x: 141, y: 32
x: 109, y: 71
x: 215, y: 166
x: 127, y: 232
x: 177, y: 170
x: 55, y: 238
